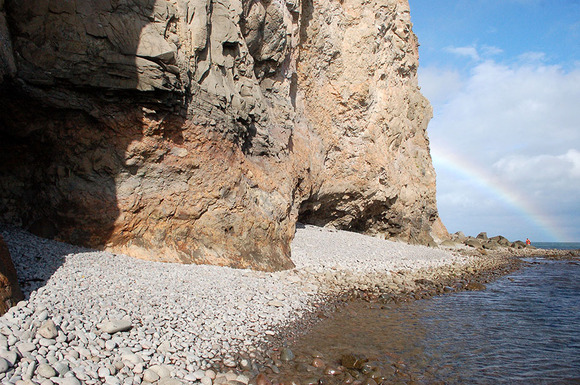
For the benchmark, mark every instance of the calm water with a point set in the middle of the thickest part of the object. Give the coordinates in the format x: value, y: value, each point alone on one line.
x: 523, y: 329
x: 558, y: 245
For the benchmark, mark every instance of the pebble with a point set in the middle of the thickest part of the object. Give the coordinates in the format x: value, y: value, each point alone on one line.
x: 169, y: 381
x: 46, y: 371
x: 103, y: 372
x: 110, y: 344
x: 10, y: 356
x: 198, y: 374
x: 25, y: 347
x: 118, y: 317
x: 61, y: 367
x: 48, y: 330
x: 286, y: 354
x: 112, y: 380
x: 115, y: 326
x: 210, y: 374
x: 261, y: 379
x: 276, y: 303
x: 4, y: 365
x: 150, y: 375
x: 70, y: 381
x: 318, y: 363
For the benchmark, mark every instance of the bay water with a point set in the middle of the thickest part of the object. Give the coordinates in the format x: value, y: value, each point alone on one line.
x: 558, y: 245
x: 522, y: 329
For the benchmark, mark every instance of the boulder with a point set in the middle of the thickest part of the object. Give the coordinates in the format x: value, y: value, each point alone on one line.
x: 475, y: 286
x: 501, y: 240
x: 490, y: 245
x: 482, y: 236
x: 10, y: 292
x: 448, y: 244
x: 471, y: 242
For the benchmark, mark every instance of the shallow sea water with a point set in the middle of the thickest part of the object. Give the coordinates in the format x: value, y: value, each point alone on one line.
x: 523, y: 329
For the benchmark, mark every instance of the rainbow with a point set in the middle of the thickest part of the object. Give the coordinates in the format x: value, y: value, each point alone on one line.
x: 483, y: 179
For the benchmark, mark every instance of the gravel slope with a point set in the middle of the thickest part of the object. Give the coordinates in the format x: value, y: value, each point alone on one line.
x: 184, y: 318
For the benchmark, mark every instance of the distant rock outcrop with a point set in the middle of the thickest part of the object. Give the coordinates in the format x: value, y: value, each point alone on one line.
x: 10, y: 292
x: 202, y: 130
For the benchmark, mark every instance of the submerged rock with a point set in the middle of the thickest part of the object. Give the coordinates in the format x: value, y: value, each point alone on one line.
x: 286, y: 354
x: 475, y: 286
x: 353, y: 361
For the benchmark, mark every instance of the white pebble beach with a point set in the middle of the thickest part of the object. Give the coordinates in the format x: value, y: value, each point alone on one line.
x: 174, y: 321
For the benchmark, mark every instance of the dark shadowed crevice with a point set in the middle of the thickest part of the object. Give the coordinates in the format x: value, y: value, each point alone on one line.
x: 69, y: 113
x: 345, y: 212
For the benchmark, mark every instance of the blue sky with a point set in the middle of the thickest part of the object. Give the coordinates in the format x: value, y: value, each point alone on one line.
x: 503, y: 77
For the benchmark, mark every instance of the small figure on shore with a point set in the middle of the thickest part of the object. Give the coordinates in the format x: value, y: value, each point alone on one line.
x: 528, y: 242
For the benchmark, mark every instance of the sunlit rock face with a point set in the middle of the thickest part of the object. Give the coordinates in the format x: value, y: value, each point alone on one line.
x: 200, y: 131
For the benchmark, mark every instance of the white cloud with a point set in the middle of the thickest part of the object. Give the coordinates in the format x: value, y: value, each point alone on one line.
x: 503, y: 110
x: 475, y: 53
x: 488, y: 50
x: 532, y: 57
x: 555, y: 168
x: 470, y: 52
x: 439, y: 85
x: 520, y: 123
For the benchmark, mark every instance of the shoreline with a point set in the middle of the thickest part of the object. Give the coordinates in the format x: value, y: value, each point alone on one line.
x: 187, y: 322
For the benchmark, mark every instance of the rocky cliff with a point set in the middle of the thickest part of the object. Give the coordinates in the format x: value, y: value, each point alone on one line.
x: 203, y: 130
x: 10, y: 292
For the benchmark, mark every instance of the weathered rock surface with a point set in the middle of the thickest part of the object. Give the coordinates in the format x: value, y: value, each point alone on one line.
x: 202, y: 130
x: 10, y: 292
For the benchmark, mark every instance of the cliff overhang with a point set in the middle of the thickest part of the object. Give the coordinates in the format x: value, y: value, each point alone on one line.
x: 201, y: 131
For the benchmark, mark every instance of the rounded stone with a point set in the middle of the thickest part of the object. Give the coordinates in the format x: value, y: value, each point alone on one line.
x: 26, y: 347
x: 61, y: 368
x: 70, y: 381
x: 10, y: 356
x: 169, y: 381
x: 286, y: 354
x: 4, y: 365
x: 150, y: 375
x: 48, y: 330
x: 161, y: 370
x: 46, y: 371
x: 103, y: 372
x: 261, y: 379
x: 318, y: 363
x: 112, y: 380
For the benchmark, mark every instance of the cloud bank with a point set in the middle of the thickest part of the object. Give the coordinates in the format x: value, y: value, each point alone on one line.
x: 520, y: 123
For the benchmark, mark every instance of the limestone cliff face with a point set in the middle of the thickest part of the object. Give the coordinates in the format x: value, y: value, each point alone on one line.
x: 202, y: 130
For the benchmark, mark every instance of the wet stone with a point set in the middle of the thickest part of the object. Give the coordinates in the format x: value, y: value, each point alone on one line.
x: 286, y: 354
x: 475, y: 286
x: 261, y: 379
x: 318, y: 363
x: 353, y: 361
